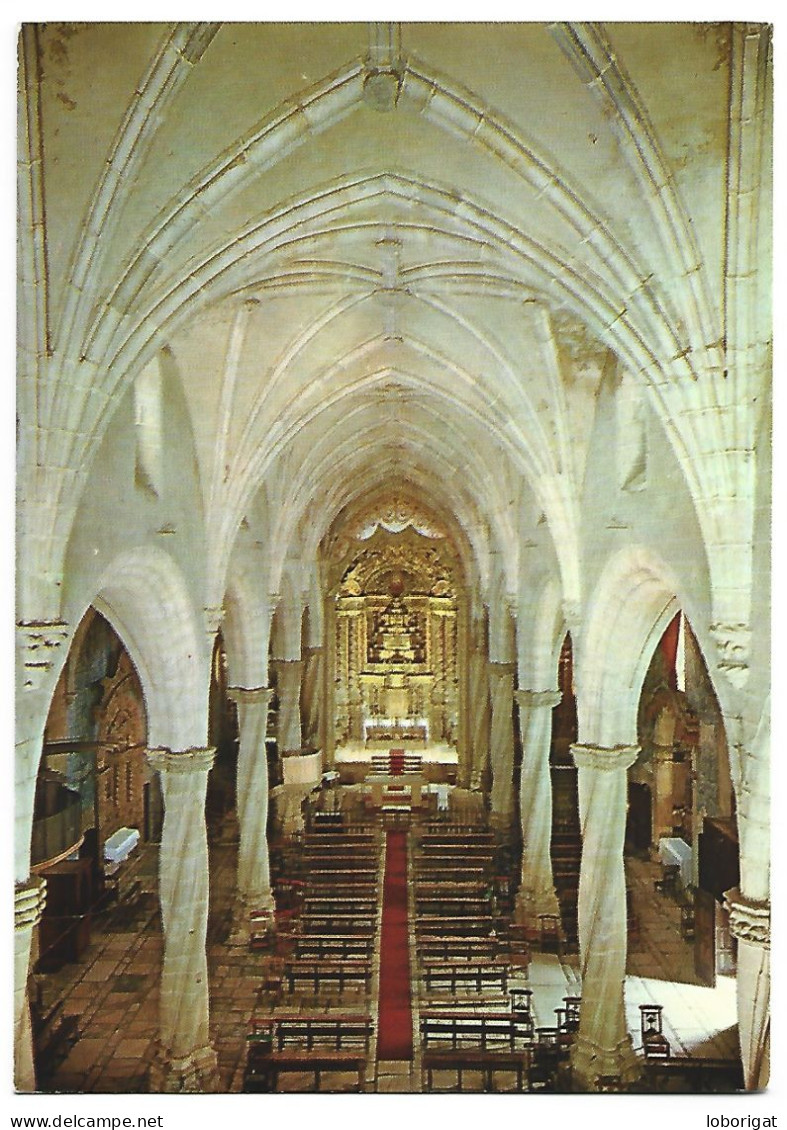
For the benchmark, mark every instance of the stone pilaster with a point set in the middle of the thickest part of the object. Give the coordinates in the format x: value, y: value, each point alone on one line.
x: 29, y: 902
x: 41, y: 646
x: 501, y: 745
x: 536, y: 893
x: 750, y: 923
x: 185, y: 1061
x: 312, y: 697
x: 479, y: 714
x: 290, y: 673
x: 663, y: 782
x: 254, y: 879
x: 603, y: 1045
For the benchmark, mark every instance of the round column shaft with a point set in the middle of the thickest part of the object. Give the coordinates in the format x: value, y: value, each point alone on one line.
x: 603, y: 1045
x: 186, y: 1060
x: 750, y: 923
x: 290, y: 672
x: 254, y: 879
x: 501, y: 685
x: 536, y: 893
x: 29, y: 901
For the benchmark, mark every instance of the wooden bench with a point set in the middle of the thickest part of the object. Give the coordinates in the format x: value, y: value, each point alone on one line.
x: 469, y: 1041
x: 453, y: 828
x: 312, y: 1044
x: 461, y: 1060
x: 333, y: 947
x: 357, y: 924
x: 359, y: 876
x: 439, y: 873
x: 350, y: 858
x: 693, y: 1075
x: 453, y: 851
x: 331, y: 842
x: 487, y: 1030
x: 475, y: 977
x: 318, y: 972
x: 459, y: 948
x: 450, y: 886
x: 454, y: 924
x: 452, y: 904
x: 341, y: 891
x: 350, y: 904
x: 455, y: 839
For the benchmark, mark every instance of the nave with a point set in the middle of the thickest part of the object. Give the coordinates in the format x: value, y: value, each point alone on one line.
x: 102, y: 1011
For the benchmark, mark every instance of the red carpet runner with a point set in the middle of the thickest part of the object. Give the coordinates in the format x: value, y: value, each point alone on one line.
x: 394, y: 1015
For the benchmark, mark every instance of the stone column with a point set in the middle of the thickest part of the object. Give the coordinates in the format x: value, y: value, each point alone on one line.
x: 536, y: 893
x: 29, y: 901
x: 40, y: 646
x: 254, y: 879
x: 186, y: 1061
x: 290, y: 672
x: 501, y: 744
x: 663, y: 782
x: 603, y: 1045
x: 311, y: 697
x: 479, y: 717
x: 750, y: 923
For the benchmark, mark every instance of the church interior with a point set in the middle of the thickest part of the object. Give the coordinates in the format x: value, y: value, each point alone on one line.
x: 393, y: 558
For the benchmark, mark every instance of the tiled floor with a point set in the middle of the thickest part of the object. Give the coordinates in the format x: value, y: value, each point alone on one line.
x: 113, y: 990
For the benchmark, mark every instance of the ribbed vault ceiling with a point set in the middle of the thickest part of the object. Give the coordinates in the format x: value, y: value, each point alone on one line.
x: 421, y: 300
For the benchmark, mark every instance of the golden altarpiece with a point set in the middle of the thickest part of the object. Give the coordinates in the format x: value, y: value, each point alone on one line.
x: 397, y: 616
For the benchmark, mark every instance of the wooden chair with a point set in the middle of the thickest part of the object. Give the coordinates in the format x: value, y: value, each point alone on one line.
x: 550, y: 932
x: 687, y: 923
x: 668, y: 883
x: 654, y: 1043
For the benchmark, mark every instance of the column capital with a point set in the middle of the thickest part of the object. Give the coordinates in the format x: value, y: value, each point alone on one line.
x: 501, y: 670
x: 250, y: 695
x: 214, y: 616
x: 29, y: 902
x: 195, y: 760
x: 287, y: 664
x: 662, y: 753
x: 750, y: 921
x: 538, y: 700
x: 604, y: 757
x: 733, y: 647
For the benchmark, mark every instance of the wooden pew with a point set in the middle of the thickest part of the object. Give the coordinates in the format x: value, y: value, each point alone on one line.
x: 469, y: 976
x: 338, y: 923
x: 449, y: 886
x: 333, y: 947
x: 453, y: 924
x: 452, y: 839
x: 484, y: 1042
x: 312, y: 1044
x: 345, y: 876
x: 436, y: 873
x: 335, y: 841
x: 452, y: 904
x: 693, y: 1075
x: 350, y: 904
x: 340, y: 861
x: 453, y: 828
x: 458, y: 948
x: 341, y: 891
x: 459, y: 850
x: 319, y: 972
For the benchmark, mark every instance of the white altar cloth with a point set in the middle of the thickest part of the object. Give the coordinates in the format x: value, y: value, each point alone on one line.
x: 120, y: 844
x: 302, y: 769
x: 675, y: 852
